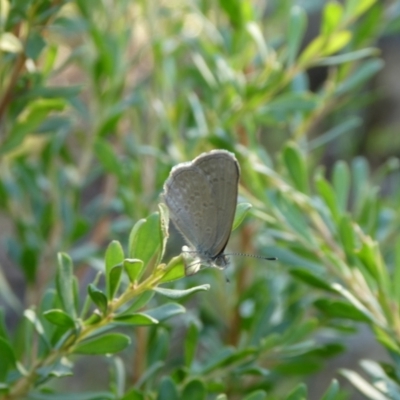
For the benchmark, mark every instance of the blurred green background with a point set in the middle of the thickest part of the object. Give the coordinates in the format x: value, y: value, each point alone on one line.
x: 99, y: 99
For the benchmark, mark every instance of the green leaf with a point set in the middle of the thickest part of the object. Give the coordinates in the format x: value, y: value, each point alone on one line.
x: 298, y: 393
x: 145, y: 239
x: 238, y: 12
x: 9, y: 297
x: 396, y: 275
x: 57, y: 92
x: 164, y: 225
x: 138, y: 319
x: 333, y: 391
x: 270, y: 342
x: 354, y: 8
x: 33, y: 319
x: 361, y: 172
x: 114, y: 280
x: 151, y: 371
x: 302, y: 332
x: 10, y: 43
x: 65, y: 284
x: 60, y: 368
x: 288, y: 103
x: 107, y: 157
x: 49, y: 59
x: 174, y: 270
x: 332, y: 16
x: 114, y: 256
x: 386, y: 340
x: 29, y: 121
x: 340, y: 309
x: 257, y: 395
x: 325, y: 351
x: 336, y: 42
x: 324, y: 46
x: 177, y: 294
x: 204, y: 70
x: 363, y: 386
x: 167, y: 390
x: 106, y: 344
x: 132, y: 394
x: 311, y: 279
x: 98, y: 298
x: 88, y: 301
x: 332, y: 134
x: 29, y: 263
x: 296, y: 166
x: 257, y: 35
x: 341, y: 185
x: 361, y: 75
x: 191, y: 339
x: 300, y: 368
x: 165, y: 311
x: 326, y: 192
x: 370, y: 24
x: 8, y: 359
x: 297, y: 26
x: 354, y: 301
x: 34, y: 45
x: 3, y: 327
x: 194, y: 390
x: 94, y: 319
x: 347, y: 236
x: 197, y: 109
x: 87, y: 395
x: 370, y: 256
x: 133, y: 268
x: 348, y: 57
x: 140, y: 301
x: 242, y: 210
x: 59, y: 318
x: 227, y: 356
x: 296, y: 219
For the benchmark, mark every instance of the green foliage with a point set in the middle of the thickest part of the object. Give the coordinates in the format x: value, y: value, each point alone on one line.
x: 97, y: 103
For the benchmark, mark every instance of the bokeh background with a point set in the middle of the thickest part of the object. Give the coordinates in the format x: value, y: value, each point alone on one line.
x: 100, y: 98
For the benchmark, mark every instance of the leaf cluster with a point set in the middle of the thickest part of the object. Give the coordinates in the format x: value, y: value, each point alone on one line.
x: 83, y: 163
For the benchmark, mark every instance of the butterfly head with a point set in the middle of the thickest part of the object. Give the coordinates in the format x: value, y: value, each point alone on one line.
x: 194, y: 259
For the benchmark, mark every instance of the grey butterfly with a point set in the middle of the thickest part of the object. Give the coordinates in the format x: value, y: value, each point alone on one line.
x: 201, y: 197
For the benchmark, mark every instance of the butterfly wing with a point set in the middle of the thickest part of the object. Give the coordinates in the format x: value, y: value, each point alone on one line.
x: 222, y: 172
x: 191, y: 202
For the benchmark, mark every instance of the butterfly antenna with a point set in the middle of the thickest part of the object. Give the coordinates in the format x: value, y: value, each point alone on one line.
x: 252, y: 256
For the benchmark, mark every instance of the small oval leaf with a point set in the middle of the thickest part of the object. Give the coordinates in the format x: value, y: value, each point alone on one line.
x: 105, y: 344
x: 145, y: 239
x: 165, y: 311
x: 59, y: 318
x: 65, y: 284
x: 174, y: 270
x: 114, y: 256
x: 242, y: 210
x: 177, y: 294
x: 114, y: 280
x: 98, y: 298
x: 133, y: 268
x: 139, y: 319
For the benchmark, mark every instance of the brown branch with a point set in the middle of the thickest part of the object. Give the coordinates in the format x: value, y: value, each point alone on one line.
x: 19, y: 64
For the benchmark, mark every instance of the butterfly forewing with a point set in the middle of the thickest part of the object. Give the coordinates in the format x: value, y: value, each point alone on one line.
x: 222, y: 171
x: 201, y: 196
x: 189, y: 198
